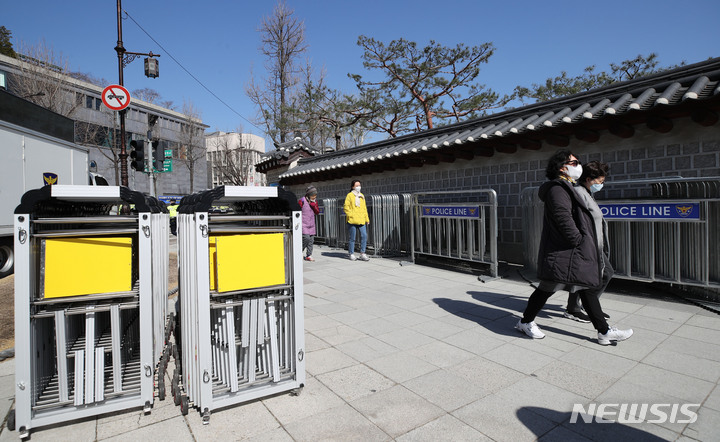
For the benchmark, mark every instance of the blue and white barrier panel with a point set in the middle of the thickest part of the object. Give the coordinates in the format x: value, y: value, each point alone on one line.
x: 451, y: 211
x: 651, y: 211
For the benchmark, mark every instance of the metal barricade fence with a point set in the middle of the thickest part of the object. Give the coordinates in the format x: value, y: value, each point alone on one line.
x: 670, y: 234
x: 90, y: 297
x: 389, y: 229
x: 456, y: 225
x: 321, y: 235
x: 240, y: 298
x: 331, y: 220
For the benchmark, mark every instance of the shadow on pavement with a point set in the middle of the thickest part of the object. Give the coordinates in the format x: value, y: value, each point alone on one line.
x: 494, y: 311
x: 343, y: 255
x: 531, y: 417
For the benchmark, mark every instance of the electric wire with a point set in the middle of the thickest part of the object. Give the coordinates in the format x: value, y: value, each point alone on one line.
x: 188, y: 72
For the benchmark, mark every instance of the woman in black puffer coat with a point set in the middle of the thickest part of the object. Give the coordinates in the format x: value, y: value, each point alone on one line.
x: 569, y: 257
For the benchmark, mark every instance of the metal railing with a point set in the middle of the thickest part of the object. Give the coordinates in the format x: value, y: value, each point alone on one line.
x: 668, y: 232
x: 459, y: 225
x: 388, y: 232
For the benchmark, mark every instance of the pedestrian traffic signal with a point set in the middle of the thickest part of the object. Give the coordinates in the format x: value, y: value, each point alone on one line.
x: 158, y: 156
x: 138, y: 155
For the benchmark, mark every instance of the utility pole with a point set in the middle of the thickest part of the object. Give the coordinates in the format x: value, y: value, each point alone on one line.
x: 124, y: 58
x: 121, y: 54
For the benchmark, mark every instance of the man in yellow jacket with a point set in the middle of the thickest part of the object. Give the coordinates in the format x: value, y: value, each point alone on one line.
x: 357, y: 220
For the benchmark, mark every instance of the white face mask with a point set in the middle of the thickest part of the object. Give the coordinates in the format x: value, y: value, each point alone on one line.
x: 596, y: 187
x: 574, y: 172
x: 357, y: 189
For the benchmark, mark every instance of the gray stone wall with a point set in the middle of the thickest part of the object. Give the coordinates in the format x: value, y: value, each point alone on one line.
x: 689, y: 150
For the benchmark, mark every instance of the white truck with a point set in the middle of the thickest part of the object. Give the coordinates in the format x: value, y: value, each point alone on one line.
x: 31, y: 159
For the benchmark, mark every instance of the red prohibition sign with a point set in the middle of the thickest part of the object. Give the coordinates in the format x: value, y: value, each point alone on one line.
x: 116, y: 97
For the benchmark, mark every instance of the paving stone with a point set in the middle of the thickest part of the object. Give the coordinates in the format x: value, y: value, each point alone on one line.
x: 446, y: 389
x: 441, y: 354
x: 445, y: 428
x: 498, y: 420
x: 437, y: 328
x: 698, y: 334
x: 366, y: 349
x: 397, y: 410
x: 340, y: 334
x: 340, y: 423
x: 575, y: 379
x: 713, y: 400
x: 489, y: 375
x: 325, y: 360
x: 700, y: 368
x: 73, y: 431
x: 314, y: 398
x: 706, y: 427
x: 687, y: 388
x: 237, y: 422
x: 405, y: 339
x: 474, y: 340
x: 401, y: 367
x: 173, y: 429
x: 355, y: 382
x: 518, y: 358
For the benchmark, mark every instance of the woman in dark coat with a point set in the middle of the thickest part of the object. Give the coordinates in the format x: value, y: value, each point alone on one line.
x: 569, y: 257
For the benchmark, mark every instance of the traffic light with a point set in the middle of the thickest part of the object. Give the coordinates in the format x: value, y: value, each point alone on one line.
x: 158, y: 156
x: 138, y: 155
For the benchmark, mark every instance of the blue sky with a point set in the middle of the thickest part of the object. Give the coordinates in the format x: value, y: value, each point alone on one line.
x: 217, y: 40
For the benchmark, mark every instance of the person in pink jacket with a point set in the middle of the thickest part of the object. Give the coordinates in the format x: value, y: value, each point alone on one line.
x: 309, y: 207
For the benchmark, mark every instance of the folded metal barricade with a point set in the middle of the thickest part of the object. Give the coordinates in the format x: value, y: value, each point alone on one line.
x: 660, y: 229
x: 90, y: 300
x: 460, y: 226
x: 240, y: 298
x: 390, y: 224
x: 321, y: 235
x: 331, y: 227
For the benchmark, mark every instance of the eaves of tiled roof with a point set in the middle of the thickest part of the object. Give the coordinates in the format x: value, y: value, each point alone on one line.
x: 283, y: 152
x: 654, y: 100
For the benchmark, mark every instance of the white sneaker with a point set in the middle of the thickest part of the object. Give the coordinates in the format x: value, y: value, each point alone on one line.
x: 353, y: 257
x: 531, y: 329
x: 613, y: 334
x: 364, y: 257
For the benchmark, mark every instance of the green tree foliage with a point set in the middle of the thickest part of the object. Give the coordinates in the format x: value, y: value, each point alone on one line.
x: 564, y: 85
x: 420, y: 85
x: 6, y: 47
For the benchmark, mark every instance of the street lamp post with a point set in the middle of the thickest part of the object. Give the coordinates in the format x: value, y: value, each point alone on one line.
x: 125, y: 57
x: 121, y: 53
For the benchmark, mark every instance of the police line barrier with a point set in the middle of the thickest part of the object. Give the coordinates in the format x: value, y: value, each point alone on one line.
x: 389, y: 229
x: 666, y: 230
x: 459, y: 225
x: 90, y: 303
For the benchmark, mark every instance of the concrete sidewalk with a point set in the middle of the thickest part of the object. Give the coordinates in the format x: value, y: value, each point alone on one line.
x: 417, y: 353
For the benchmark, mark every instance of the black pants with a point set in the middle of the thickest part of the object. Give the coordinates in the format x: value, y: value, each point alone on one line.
x: 589, y: 297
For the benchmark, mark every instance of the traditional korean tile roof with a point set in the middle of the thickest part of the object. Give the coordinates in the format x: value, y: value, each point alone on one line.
x: 282, y: 153
x: 654, y: 100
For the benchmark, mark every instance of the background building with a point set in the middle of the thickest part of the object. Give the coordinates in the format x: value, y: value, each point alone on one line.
x: 232, y: 158
x: 97, y: 127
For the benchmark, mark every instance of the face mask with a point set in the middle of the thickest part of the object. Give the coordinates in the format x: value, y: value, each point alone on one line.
x: 357, y: 189
x: 596, y: 188
x: 574, y: 172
